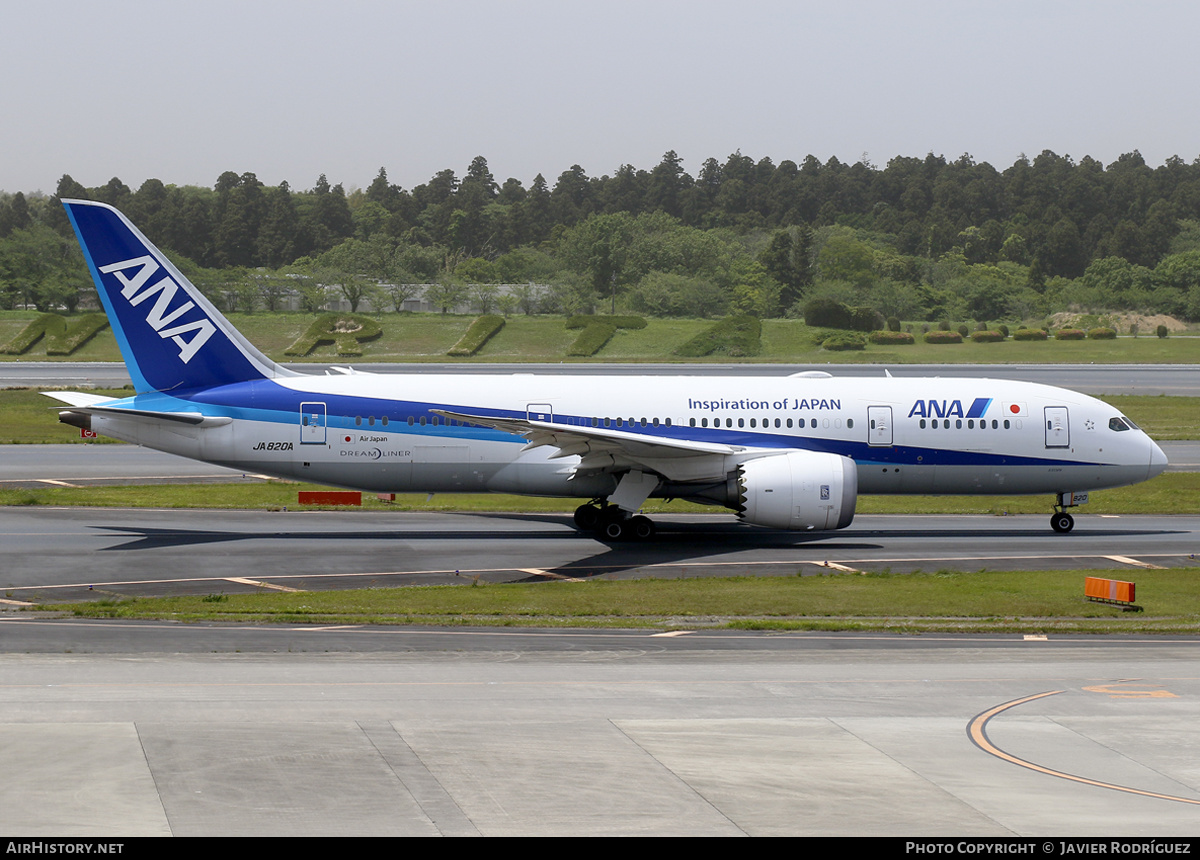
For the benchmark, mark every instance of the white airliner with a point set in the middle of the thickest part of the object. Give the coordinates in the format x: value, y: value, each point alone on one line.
x: 789, y: 453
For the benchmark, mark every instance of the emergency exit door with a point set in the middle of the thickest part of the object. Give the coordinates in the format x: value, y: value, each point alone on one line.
x: 1058, y: 432
x: 312, y: 423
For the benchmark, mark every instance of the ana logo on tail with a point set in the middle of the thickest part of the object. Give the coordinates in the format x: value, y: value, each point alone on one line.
x: 158, y: 318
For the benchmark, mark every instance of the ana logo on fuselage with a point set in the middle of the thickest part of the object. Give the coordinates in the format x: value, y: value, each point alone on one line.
x: 158, y: 318
x: 949, y: 408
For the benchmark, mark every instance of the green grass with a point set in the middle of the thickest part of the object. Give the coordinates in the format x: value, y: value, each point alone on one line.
x: 31, y: 418
x: 981, y: 601
x: 427, y: 337
x: 1162, y: 417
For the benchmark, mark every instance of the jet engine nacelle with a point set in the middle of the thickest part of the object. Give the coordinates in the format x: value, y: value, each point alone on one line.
x: 799, y: 490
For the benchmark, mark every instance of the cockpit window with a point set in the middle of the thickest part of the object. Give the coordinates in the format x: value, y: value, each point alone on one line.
x: 1117, y: 424
x: 1132, y: 426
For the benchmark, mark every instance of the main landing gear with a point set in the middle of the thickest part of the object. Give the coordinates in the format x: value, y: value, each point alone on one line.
x: 612, y: 524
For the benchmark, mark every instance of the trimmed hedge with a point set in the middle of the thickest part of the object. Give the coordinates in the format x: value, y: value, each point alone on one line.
x: 1030, y: 334
x: 618, y: 321
x: 1102, y: 334
x: 61, y: 338
x: 892, y: 338
x: 844, y: 341
x: 1070, y: 334
x: 943, y: 337
x: 345, y: 330
x: 987, y: 336
x: 736, y: 336
x: 597, y: 331
x: 479, y: 333
x: 831, y: 313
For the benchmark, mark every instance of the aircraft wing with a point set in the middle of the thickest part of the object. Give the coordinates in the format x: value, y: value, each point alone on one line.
x: 607, y: 449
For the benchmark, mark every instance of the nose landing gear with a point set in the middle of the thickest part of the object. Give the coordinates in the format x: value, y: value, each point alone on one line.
x: 1061, y: 521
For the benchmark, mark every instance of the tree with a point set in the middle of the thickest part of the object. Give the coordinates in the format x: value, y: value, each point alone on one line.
x: 599, y: 248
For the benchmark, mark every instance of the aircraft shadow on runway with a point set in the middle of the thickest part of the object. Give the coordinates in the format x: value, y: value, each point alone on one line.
x: 675, y: 541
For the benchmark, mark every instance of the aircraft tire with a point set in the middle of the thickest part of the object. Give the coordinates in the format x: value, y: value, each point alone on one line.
x: 587, y: 517
x: 613, y: 530
x: 641, y: 528
x: 1062, y: 522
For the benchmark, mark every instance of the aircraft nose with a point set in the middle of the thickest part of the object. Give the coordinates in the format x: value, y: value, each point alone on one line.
x: 1158, y: 460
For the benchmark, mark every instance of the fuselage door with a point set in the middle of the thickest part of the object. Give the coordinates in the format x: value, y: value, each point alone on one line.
x: 1058, y: 434
x: 539, y: 412
x: 879, y: 425
x: 312, y: 423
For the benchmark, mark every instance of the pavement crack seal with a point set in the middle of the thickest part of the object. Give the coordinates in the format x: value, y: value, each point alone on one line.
x: 977, y: 732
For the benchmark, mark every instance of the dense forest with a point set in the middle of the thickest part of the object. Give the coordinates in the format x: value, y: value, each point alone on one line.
x: 919, y: 239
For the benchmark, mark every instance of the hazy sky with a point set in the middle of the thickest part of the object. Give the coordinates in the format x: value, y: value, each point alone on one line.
x: 184, y: 91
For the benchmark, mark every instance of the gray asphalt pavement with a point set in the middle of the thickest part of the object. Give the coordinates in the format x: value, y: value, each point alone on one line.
x: 86, y: 553
x: 288, y: 732
x: 1171, y: 379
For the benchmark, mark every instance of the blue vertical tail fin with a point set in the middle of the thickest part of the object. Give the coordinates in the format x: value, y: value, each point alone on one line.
x: 171, y: 336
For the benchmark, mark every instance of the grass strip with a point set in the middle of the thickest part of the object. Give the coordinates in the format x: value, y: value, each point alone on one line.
x: 943, y: 601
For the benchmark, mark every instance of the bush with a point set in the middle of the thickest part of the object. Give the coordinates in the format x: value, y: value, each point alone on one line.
x: 1161, y: 331
x: 941, y: 336
x: 1070, y: 334
x: 844, y: 341
x: 1003, y: 329
x: 865, y: 319
x: 987, y: 337
x: 1030, y: 334
x: 736, y: 336
x: 480, y: 332
x: 963, y: 331
x: 891, y: 338
x: 1102, y: 334
x: 830, y: 313
x: 893, y: 324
